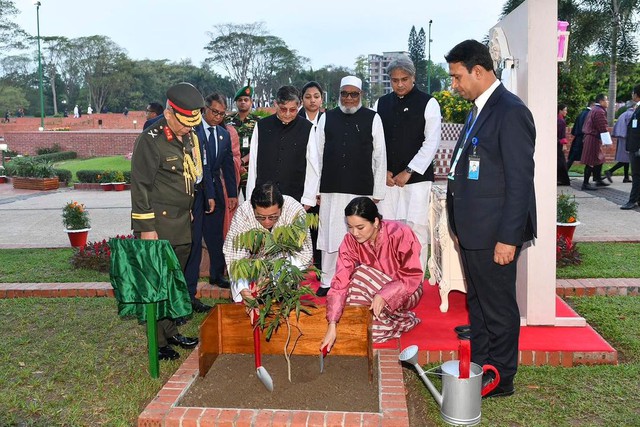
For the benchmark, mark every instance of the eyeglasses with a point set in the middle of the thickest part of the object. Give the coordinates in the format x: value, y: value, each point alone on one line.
x: 216, y: 112
x: 285, y: 110
x: 352, y: 95
x: 272, y: 218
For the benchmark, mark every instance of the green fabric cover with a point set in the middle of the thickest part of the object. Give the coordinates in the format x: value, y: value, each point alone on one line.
x: 148, y: 271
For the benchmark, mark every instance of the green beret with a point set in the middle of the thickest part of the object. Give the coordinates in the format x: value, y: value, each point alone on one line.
x: 186, y: 102
x: 244, y: 91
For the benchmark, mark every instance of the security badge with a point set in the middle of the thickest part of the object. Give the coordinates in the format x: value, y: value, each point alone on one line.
x: 474, y: 162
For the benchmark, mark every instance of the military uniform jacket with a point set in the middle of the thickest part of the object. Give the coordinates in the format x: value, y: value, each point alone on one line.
x: 161, y: 193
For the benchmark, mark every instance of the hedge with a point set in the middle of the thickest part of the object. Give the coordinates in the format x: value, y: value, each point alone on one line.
x: 57, y: 157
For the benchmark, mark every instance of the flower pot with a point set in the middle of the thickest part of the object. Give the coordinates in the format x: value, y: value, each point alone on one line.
x: 3, y: 179
x: 42, y: 184
x: 78, y: 238
x: 566, y: 230
x: 107, y: 186
x: 118, y: 186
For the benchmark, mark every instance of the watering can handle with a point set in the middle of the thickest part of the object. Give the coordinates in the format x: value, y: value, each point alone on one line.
x: 493, y: 384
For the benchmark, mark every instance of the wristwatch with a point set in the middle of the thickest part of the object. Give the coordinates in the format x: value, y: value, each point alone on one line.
x: 408, y: 170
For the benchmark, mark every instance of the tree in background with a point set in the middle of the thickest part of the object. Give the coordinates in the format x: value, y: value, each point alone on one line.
x: 417, y: 43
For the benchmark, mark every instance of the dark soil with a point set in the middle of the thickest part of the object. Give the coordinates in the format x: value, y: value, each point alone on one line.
x: 232, y: 383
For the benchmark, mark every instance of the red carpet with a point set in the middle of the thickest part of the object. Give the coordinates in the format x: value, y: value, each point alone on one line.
x: 435, y: 332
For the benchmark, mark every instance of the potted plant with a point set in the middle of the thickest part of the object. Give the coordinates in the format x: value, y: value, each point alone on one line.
x: 118, y: 180
x: 566, y: 216
x: 106, y: 180
x: 75, y: 219
x: 31, y: 174
x: 3, y: 176
x: 277, y: 279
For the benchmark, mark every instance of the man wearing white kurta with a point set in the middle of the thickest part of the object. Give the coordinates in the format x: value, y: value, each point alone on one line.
x: 353, y: 163
x: 412, y: 122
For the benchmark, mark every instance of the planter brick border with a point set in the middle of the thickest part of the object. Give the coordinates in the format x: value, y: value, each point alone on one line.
x: 163, y: 411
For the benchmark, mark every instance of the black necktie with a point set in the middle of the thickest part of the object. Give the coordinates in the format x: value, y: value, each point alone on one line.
x: 214, y: 143
x: 474, y: 114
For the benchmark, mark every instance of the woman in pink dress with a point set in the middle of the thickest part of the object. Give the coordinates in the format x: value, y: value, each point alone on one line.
x: 378, y: 266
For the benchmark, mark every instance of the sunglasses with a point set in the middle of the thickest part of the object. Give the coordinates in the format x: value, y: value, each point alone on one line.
x: 285, y: 110
x: 352, y: 95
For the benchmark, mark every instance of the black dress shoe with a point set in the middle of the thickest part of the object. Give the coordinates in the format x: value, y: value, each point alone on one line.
x: 502, y: 390
x: 464, y: 335
x: 487, y: 378
x: 601, y: 183
x: 626, y: 180
x: 628, y: 205
x: 167, y: 353
x: 607, y: 175
x: 588, y: 187
x: 322, y: 292
x: 182, y: 341
x: 220, y: 282
x: 200, y: 307
x: 462, y: 328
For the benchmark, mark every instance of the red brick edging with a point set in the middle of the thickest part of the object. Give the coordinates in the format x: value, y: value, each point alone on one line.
x: 163, y: 411
x: 588, y: 287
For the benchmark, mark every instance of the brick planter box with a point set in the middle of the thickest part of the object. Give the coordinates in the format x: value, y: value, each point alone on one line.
x: 35, y: 183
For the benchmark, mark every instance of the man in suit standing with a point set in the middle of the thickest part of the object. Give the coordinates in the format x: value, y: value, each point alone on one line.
x: 491, y: 206
x: 633, y: 147
x: 209, y: 206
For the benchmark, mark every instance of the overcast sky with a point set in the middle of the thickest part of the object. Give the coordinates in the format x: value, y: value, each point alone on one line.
x: 326, y: 32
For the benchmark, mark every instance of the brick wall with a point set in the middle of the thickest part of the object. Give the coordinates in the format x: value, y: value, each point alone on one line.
x: 85, y: 143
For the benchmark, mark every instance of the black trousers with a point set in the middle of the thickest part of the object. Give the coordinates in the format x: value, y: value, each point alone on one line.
x: 209, y: 227
x: 563, y: 173
x: 634, y: 195
x: 493, y: 311
x: 167, y: 327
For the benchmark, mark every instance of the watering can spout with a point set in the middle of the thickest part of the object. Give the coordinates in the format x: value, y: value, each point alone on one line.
x: 410, y: 355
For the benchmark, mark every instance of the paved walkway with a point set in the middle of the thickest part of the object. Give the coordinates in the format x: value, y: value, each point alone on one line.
x: 32, y: 219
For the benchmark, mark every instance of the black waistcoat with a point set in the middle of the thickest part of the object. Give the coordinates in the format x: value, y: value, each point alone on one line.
x: 282, y: 154
x: 633, y: 133
x: 348, y: 148
x: 403, y: 123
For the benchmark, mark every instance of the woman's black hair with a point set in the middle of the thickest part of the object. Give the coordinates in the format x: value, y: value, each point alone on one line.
x: 364, y: 208
x: 266, y: 195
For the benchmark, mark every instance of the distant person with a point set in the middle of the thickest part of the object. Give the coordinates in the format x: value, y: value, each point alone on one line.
x: 379, y: 267
x: 89, y: 110
x: 633, y: 147
x: 65, y: 113
x: 125, y: 111
x: 243, y: 120
x: 563, y: 172
x: 592, y: 155
x: 622, y: 155
x: 154, y: 112
x: 76, y: 112
x: 575, y: 152
x: 311, y: 94
x: 6, y: 117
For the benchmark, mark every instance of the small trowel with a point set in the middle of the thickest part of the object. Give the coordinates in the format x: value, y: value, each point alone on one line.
x: 323, y: 354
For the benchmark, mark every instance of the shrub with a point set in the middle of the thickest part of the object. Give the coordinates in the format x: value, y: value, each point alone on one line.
x: 566, y: 209
x: 64, y: 175
x: 118, y: 176
x: 95, y: 255
x: 53, y: 149
x: 75, y: 216
x: 28, y: 167
x: 127, y: 177
x: 89, y: 176
x: 454, y: 108
x: 566, y: 252
x: 106, y: 177
x: 57, y: 157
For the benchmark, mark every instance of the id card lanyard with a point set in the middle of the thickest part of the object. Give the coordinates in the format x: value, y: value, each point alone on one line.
x: 474, y: 141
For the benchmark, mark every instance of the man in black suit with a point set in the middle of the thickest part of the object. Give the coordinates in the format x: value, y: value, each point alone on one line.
x: 491, y: 206
x: 209, y: 207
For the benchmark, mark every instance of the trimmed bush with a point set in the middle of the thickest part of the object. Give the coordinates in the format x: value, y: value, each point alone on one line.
x: 48, y: 150
x: 64, y: 175
x: 89, y: 176
x: 57, y: 157
x: 127, y: 177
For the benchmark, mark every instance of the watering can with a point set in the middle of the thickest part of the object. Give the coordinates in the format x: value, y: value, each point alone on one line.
x: 461, y: 398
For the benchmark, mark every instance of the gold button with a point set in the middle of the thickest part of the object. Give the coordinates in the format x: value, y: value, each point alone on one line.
x: 164, y: 213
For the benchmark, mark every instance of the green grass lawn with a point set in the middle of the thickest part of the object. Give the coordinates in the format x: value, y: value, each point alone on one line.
x: 114, y: 163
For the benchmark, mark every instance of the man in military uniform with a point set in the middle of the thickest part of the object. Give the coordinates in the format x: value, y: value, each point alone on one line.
x: 165, y: 164
x: 243, y: 120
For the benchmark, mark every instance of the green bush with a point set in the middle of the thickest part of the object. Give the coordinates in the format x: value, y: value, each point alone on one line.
x: 28, y: 167
x: 107, y: 176
x: 58, y: 156
x: 64, y: 175
x: 454, y: 108
x: 89, y: 176
x: 127, y: 177
x: 48, y: 150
